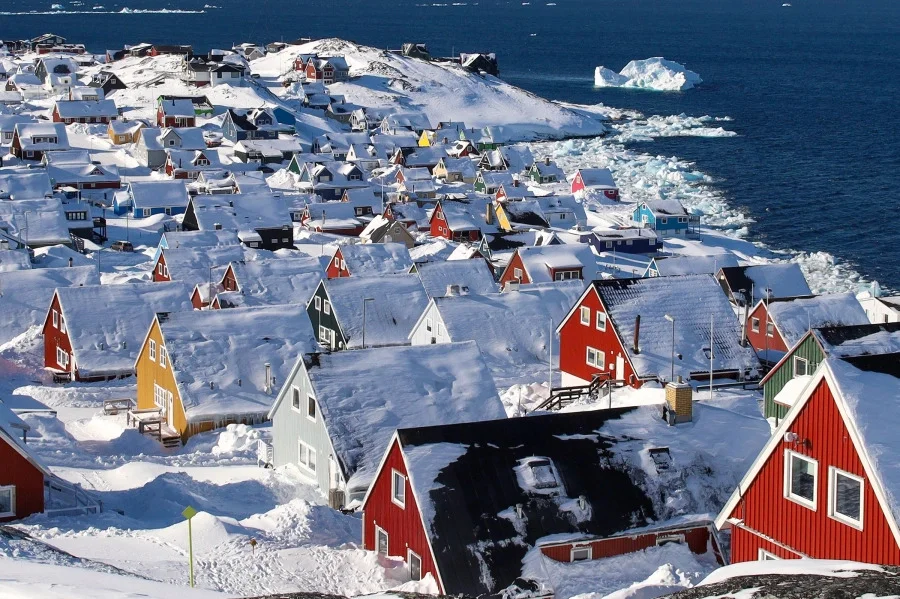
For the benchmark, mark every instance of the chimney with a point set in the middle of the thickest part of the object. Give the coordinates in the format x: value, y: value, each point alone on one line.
x: 489, y: 214
x: 452, y: 290
x: 637, y: 335
x: 679, y: 402
x: 515, y: 181
x: 70, y: 262
x: 217, y: 226
x: 268, y: 383
x: 547, y: 160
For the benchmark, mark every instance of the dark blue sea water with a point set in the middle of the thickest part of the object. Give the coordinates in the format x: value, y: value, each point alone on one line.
x: 812, y: 88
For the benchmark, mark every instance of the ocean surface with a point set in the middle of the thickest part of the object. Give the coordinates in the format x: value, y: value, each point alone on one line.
x: 813, y: 89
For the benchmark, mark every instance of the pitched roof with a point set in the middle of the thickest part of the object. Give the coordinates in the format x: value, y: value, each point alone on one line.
x: 795, y: 316
x: 75, y: 109
x: 474, y: 275
x: 538, y: 260
x: 374, y: 259
x: 597, y: 177
x: 279, y: 280
x: 193, y: 265
x: 365, y: 395
x: 230, y: 348
x: 859, y: 340
x: 177, y: 107
x: 692, y: 265
x: 158, y: 194
x: 692, y: 300
x: 107, y: 341
x: 28, y: 131
x: 398, y: 300
x: 666, y: 207
x: 783, y: 280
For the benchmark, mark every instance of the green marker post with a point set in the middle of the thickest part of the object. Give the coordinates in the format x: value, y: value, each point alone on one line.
x: 189, y: 512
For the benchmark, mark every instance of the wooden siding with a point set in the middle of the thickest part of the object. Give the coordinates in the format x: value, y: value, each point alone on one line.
x: 696, y: 538
x: 54, y: 337
x: 149, y: 372
x: 439, y: 227
x: 745, y: 546
x: 765, y: 509
x: 575, y: 338
x: 164, y: 276
x: 402, y: 524
x: 809, y: 350
x: 422, y: 336
x: 334, y: 270
x: 318, y: 318
x: 509, y: 273
x: 28, y: 481
x: 759, y: 340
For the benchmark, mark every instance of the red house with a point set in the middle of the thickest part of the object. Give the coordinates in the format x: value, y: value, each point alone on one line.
x: 369, y: 260
x: 826, y: 484
x: 600, y: 179
x: 454, y: 222
x: 84, y: 111
x: 57, y: 346
x: 549, y: 488
x: 638, y: 330
x: 550, y: 263
x: 161, y: 269
x: 774, y: 326
x: 22, y: 476
x: 176, y: 113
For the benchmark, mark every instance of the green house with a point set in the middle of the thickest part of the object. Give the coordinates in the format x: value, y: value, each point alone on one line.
x: 805, y: 356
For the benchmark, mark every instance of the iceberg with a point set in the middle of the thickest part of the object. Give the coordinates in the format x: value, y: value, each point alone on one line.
x: 656, y: 74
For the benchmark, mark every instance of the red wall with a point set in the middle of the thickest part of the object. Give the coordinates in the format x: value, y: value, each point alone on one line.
x: 509, y: 274
x: 229, y: 281
x: 758, y: 340
x: 745, y: 546
x: 334, y: 270
x: 437, y: 223
x: 574, y: 339
x: 54, y: 337
x: 28, y: 480
x: 813, y: 533
x: 697, y: 540
x: 577, y: 183
x: 157, y: 277
x: 404, y: 526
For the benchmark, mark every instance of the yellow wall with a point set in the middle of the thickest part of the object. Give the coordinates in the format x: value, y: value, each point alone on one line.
x: 424, y: 141
x: 150, y: 372
x: 502, y: 218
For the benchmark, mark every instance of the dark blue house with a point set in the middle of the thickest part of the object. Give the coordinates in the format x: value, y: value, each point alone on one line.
x: 666, y: 217
x: 258, y: 123
x: 625, y: 241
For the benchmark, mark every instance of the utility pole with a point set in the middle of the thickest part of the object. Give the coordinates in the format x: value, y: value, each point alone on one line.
x: 672, y: 320
x: 365, y: 300
x: 550, y: 381
x: 712, y: 324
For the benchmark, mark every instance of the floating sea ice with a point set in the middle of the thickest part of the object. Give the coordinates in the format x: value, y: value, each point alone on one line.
x: 656, y: 74
x: 56, y: 6
x: 604, y: 77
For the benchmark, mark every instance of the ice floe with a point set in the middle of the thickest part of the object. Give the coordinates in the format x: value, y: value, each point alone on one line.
x: 656, y: 74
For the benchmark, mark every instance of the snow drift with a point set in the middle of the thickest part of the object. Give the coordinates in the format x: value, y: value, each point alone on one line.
x: 657, y: 74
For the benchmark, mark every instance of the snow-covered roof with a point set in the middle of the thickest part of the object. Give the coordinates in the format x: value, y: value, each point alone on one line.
x: 397, y: 302
x: 692, y: 265
x: 53, y: 131
x: 795, y: 316
x: 197, y: 239
x: 177, y: 107
x: 666, y: 208
x: 74, y: 173
x: 190, y: 138
x: 467, y: 216
x: 539, y: 260
x: 26, y: 294
x: 782, y: 280
x: 374, y: 259
x: 597, y: 177
x: 244, y: 212
x: 881, y: 338
x: 76, y: 109
x: 365, y: 395
x: 474, y: 275
x: 38, y: 222
x: 107, y: 341
x: 692, y: 301
x: 24, y: 185
x: 193, y: 264
x: 230, y: 348
x: 158, y: 194
x: 279, y: 280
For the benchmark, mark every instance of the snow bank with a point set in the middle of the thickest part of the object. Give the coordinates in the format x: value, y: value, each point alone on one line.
x: 657, y: 74
x: 236, y: 438
x: 818, y: 567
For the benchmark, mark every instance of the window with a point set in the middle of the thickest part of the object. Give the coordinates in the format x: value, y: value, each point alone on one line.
x: 381, y: 541
x: 440, y: 328
x: 517, y: 274
x: 601, y: 321
x: 580, y: 554
x: 295, y: 397
x: 327, y: 307
x: 428, y: 324
x: 307, y: 456
x: 801, y: 366
x: 585, y: 315
x: 7, y: 501
x: 754, y: 325
x: 415, y: 565
x: 160, y: 396
x: 285, y: 240
x: 152, y: 350
x: 682, y: 219
x: 62, y: 357
x: 146, y: 212
x: 162, y: 356
x: 770, y: 329
x: 311, y: 407
x: 318, y: 302
x: 800, y: 479
x: 62, y: 323
x: 596, y: 358
x: 765, y: 556
x: 845, y: 497
x: 55, y: 319
x: 398, y: 488
x: 663, y: 220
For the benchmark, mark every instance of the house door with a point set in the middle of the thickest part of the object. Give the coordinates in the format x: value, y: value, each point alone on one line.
x: 381, y: 541
x: 620, y: 367
x: 170, y: 411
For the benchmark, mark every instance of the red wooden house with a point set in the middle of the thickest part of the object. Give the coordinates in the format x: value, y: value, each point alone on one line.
x: 177, y: 112
x: 600, y: 179
x: 369, y: 260
x: 637, y: 330
x: 774, y: 326
x: 550, y: 488
x: 161, y: 269
x: 453, y: 221
x: 22, y: 476
x: 826, y: 485
x: 550, y: 263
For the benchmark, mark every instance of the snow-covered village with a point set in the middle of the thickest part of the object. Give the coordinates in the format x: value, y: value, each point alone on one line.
x: 321, y: 318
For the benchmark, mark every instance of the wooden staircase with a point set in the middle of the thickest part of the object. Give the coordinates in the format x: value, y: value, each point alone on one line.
x: 560, y: 397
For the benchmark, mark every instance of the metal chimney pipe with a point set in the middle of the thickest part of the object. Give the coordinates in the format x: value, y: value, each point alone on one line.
x: 637, y: 334
x: 268, y: 385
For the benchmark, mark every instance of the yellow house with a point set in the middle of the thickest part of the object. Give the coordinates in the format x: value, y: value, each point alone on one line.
x: 502, y: 217
x: 202, y: 370
x: 425, y: 139
x: 124, y: 132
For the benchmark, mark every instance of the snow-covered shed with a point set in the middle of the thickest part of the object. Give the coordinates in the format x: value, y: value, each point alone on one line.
x: 337, y: 411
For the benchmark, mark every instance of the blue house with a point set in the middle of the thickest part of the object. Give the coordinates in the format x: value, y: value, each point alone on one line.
x: 146, y: 198
x: 666, y: 217
x: 258, y: 123
x: 623, y: 241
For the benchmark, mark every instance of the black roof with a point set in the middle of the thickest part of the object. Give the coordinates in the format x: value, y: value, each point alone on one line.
x: 241, y: 121
x: 835, y: 336
x: 467, y: 534
x: 883, y: 363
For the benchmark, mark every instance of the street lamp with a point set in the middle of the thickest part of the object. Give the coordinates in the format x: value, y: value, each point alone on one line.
x: 672, y: 320
x: 365, y: 301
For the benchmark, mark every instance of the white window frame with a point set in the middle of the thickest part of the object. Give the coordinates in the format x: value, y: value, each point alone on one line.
x: 598, y: 363
x: 152, y: 350
x: 162, y: 356
x: 770, y: 329
x: 308, y: 465
x: 788, y: 458
x: 387, y: 541
x: 601, y: 320
x: 311, y: 403
x: 517, y: 274
x: 62, y: 323
x: 12, y: 500
x: 55, y: 319
x: 62, y: 357
x: 295, y: 394
x: 410, y: 555
x: 754, y: 324
x: 584, y: 314
x: 401, y: 501
x: 429, y: 325
x: 763, y: 555
x: 590, y: 553
x: 832, y: 498
x: 327, y: 307
x: 798, y: 359
x: 318, y: 302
